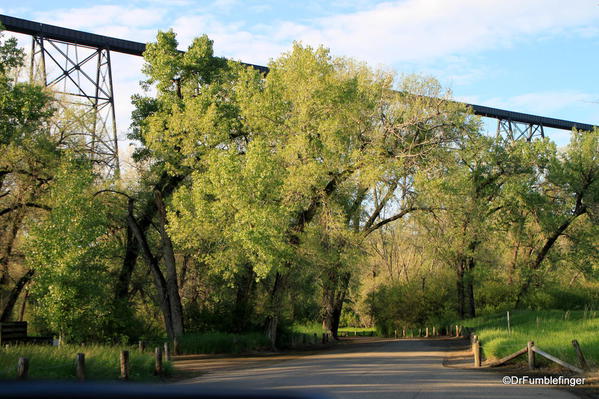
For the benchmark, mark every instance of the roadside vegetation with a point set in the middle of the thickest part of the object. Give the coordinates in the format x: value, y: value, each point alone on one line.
x: 551, y: 330
x: 101, y: 362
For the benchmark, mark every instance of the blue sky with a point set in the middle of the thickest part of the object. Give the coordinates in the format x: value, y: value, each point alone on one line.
x: 535, y: 56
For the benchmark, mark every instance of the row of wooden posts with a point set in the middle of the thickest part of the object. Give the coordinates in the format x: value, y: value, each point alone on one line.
x: 307, y: 339
x: 530, y: 350
x: 427, y: 332
x: 159, y: 355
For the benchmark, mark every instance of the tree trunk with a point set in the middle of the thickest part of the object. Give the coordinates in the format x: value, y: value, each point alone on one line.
x: 276, y: 299
x: 580, y: 209
x: 24, y: 305
x: 460, y: 289
x: 334, y: 293
x: 245, y: 289
x: 7, y: 247
x: 470, y: 264
x: 14, y: 295
x: 172, y: 285
x: 129, y: 262
x: 159, y: 280
x: 166, y: 184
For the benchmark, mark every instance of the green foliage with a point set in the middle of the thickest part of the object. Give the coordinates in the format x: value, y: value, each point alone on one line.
x: 57, y: 363
x: 23, y: 106
x: 67, y: 250
x: 308, y: 328
x: 412, y: 305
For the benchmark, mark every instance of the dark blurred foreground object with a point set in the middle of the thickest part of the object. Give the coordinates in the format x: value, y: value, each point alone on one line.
x: 77, y: 390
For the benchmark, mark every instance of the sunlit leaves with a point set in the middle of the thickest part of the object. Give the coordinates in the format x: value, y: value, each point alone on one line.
x: 67, y: 250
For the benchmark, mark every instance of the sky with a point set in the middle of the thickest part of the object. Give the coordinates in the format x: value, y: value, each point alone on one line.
x: 533, y: 56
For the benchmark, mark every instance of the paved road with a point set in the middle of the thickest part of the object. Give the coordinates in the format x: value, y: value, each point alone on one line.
x: 378, y: 369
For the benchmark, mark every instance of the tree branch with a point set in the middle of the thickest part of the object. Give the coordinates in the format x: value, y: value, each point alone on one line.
x: 381, y: 205
x: 395, y: 217
x: 26, y: 204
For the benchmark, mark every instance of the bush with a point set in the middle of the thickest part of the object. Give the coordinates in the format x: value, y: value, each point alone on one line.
x: 564, y: 298
x: 412, y: 305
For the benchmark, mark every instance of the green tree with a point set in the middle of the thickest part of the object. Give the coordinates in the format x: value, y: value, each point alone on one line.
x: 566, y: 195
x: 68, y: 250
x: 27, y: 155
x: 327, y: 132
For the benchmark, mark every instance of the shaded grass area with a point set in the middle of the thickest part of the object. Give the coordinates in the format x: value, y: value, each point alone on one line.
x: 218, y: 342
x: 101, y: 362
x: 308, y: 328
x: 357, y: 331
x: 316, y: 328
x: 551, y: 330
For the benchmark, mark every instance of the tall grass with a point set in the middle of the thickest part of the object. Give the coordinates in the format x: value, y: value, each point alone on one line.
x: 308, y: 328
x: 316, y: 328
x: 358, y: 330
x: 218, y: 342
x: 551, y: 330
x: 101, y: 362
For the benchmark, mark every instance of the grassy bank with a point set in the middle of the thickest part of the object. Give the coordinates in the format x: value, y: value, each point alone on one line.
x: 551, y: 330
x: 101, y: 362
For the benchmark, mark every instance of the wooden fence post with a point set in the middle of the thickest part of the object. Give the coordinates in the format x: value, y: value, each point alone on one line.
x: 80, y: 366
x: 124, y: 365
x: 457, y: 330
x: 403, y: 332
x: 158, y: 362
x: 23, y: 368
x: 581, y: 360
x: 426, y: 333
x: 167, y: 355
x: 476, y: 351
x: 531, y: 355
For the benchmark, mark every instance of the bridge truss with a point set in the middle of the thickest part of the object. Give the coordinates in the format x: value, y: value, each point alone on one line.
x: 81, y: 76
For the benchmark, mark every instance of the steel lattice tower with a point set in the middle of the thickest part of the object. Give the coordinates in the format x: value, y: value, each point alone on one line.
x: 81, y: 76
x: 519, y: 131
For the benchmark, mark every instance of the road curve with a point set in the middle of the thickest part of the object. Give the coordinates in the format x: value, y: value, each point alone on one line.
x: 378, y: 369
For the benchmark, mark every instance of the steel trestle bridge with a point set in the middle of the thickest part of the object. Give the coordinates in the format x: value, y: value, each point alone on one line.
x: 88, y: 78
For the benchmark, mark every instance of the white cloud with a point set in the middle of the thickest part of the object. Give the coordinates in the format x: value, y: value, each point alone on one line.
x: 224, y: 5
x: 427, y: 29
x: 231, y: 40
x: 410, y: 31
x: 103, y: 15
